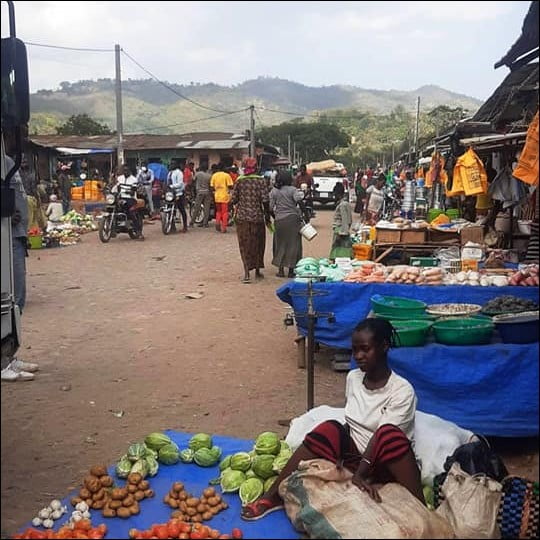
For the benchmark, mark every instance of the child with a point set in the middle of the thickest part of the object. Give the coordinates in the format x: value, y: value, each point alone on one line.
x: 54, y: 212
x: 341, y: 242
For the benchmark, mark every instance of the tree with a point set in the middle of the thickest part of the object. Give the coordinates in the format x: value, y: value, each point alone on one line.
x: 317, y: 140
x: 82, y: 124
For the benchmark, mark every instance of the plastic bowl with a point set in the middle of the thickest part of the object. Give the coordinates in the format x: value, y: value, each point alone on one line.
x: 411, y: 333
x: 519, y: 328
x: 463, y: 331
x: 405, y: 317
x: 396, y: 305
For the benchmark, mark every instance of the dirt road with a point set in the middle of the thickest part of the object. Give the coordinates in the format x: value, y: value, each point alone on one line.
x: 123, y: 352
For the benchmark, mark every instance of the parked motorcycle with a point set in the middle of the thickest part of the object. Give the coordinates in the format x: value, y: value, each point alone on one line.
x: 391, y: 202
x: 307, y: 203
x: 116, y: 218
x: 169, y: 210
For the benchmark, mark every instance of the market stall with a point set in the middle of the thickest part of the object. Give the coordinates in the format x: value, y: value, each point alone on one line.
x: 490, y: 388
x: 195, y: 478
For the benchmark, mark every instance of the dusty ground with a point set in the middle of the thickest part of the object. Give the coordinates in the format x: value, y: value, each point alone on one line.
x: 112, y: 331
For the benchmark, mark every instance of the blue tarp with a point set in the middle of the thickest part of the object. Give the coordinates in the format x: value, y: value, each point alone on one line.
x: 159, y: 170
x: 491, y: 389
x: 195, y: 478
x: 350, y: 302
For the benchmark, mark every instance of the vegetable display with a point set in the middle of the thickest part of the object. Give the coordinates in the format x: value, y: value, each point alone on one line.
x: 176, y: 528
x: 527, y: 276
x: 139, y: 459
x: 508, y: 304
x: 80, y: 529
x: 100, y: 493
x: 49, y: 514
x: 194, y: 509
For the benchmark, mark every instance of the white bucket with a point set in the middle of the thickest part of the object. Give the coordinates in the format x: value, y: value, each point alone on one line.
x: 308, y: 231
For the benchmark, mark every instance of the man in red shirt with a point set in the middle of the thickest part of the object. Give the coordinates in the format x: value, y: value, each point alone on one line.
x: 189, y: 171
x: 303, y: 177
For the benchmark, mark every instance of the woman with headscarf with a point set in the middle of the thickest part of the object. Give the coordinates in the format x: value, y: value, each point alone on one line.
x: 284, y: 200
x: 251, y: 209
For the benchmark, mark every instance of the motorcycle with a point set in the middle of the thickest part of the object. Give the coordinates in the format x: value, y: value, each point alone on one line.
x: 308, y: 211
x: 117, y: 218
x: 169, y: 210
x: 391, y: 202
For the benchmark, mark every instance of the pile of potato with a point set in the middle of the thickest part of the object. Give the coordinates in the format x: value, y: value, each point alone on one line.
x: 194, y: 509
x: 415, y: 275
x: 99, y: 493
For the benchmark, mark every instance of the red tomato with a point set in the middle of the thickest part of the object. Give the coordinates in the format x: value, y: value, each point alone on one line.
x: 103, y: 528
x: 133, y: 533
x: 95, y: 534
x: 196, y: 535
x: 237, y: 533
x: 173, y: 529
x: 161, y: 532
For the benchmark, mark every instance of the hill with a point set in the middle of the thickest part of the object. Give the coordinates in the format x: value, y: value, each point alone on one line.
x: 149, y: 106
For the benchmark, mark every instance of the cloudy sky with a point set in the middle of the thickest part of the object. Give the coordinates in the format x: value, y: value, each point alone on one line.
x: 382, y: 45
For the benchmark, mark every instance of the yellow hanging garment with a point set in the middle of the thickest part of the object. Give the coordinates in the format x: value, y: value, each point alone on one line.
x: 470, y: 175
x: 437, y: 162
x: 527, y: 167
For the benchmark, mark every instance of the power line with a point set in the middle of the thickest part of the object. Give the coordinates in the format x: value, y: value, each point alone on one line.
x: 309, y: 115
x: 171, y: 88
x: 67, y: 48
x: 195, y: 121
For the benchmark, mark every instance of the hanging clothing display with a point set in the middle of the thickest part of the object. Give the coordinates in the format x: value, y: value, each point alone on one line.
x: 527, y: 168
x: 470, y: 176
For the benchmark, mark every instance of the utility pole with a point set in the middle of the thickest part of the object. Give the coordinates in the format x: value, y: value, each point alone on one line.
x: 119, y: 121
x: 294, y: 151
x: 289, y: 148
x: 252, y: 130
x: 416, y: 128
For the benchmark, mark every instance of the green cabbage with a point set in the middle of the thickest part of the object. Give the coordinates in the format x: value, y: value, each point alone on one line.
x: 250, y: 490
x: 279, y: 463
x: 269, y: 482
x: 284, y: 447
x: 267, y: 443
x: 200, y: 440
x: 262, y: 466
x: 251, y: 474
x: 240, y: 461
x: 152, y: 465
x: 207, y: 457
x: 231, y: 480
x: 169, y: 454
x: 149, y: 452
x: 136, y: 451
x: 123, y: 467
x: 156, y: 440
x: 186, y: 456
x: 140, y: 467
x: 225, y: 462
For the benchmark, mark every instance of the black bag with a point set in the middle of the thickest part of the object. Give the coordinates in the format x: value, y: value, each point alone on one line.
x: 478, y: 457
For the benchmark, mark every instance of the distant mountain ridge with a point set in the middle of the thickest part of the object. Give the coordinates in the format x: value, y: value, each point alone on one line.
x: 148, y: 104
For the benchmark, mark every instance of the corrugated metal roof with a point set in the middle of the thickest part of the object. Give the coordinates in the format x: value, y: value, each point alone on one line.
x: 201, y: 141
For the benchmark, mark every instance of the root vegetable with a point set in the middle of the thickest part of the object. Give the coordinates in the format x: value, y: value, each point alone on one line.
x: 119, y: 494
x: 98, y: 470
x: 149, y: 493
x: 134, y: 509
x: 85, y: 493
x: 201, y: 508
x: 139, y: 495
x: 98, y: 495
x: 207, y: 516
x: 192, y: 502
x: 76, y: 500
x: 106, y: 480
x: 143, y: 485
x: 128, y: 501
x: 98, y: 505
x: 109, y: 512
x: 178, y: 486
x: 115, y: 504
x: 123, y: 513
x: 134, y: 478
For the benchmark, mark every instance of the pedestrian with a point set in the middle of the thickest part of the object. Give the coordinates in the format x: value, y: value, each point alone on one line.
x: 251, y: 202
x: 376, y: 443
x: 64, y: 185
x: 18, y: 370
x: 375, y: 199
x: 360, y: 190
x: 189, y: 190
x: 287, y: 240
x: 54, y: 212
x: 341, y: 241
x: 221, y: 182
x: 175, y: 180
x: 203, y: 197
x: 303, y: 177
x: 145, y: 177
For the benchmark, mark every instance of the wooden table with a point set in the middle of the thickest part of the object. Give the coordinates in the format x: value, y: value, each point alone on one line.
x: 384, y: 249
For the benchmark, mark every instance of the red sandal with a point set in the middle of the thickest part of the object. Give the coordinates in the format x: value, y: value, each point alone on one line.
x: 254, y: 508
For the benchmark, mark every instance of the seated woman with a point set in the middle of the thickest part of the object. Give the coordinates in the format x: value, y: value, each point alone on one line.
x: 376, y: 442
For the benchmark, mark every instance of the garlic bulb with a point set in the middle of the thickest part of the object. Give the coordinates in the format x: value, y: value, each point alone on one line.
x: 48, y: 523
x: 461, y: 277
x: 44, y: 513
x: 55, y: 505
x: 36, y: 522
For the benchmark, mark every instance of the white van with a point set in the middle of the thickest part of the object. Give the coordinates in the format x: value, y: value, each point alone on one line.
x: 323, y: 187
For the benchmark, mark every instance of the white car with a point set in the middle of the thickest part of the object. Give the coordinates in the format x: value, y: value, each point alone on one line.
x: 323, y: 188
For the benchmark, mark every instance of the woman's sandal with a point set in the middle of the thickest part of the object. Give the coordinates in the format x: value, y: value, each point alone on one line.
x: 254, y: 508
x: 246, y: 280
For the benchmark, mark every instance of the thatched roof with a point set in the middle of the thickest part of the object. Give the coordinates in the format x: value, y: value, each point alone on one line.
x: 527, y: 41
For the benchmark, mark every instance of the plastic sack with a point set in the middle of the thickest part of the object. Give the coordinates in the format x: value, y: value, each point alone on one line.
x: 527, y: 167
x: 435, y: 438
x: 477, y: 457
x: 322, y: 502
x: 471, y: 504
x: 470, y: 171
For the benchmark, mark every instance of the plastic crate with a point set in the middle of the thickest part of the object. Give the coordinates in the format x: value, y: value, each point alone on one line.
x: 424, y: 261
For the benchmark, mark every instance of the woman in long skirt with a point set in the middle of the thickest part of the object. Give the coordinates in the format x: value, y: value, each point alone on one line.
x: 284, y: 200
x: 252, y: 213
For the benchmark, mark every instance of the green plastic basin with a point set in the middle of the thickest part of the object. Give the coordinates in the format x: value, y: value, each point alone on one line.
x: 396, y: 305
x: 405, y: 317
x: 463, y: 331
x: 411, y: 333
